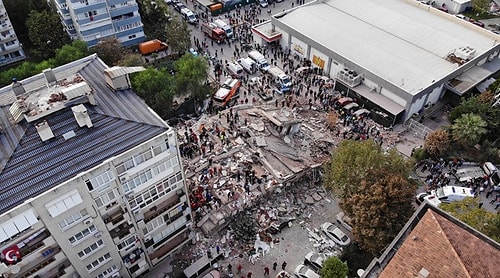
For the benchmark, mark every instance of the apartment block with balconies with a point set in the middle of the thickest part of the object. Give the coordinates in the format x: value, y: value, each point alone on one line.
x: 93, y: 20
x: 11, y: 50
x: 95, y: 186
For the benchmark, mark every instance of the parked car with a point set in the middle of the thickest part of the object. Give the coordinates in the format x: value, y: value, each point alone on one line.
x: 420, y: 197
x: 314, y: 259
x: 179, y: 6
x: 303, y: 271
x: 263, y: 3
x: 334, y: 233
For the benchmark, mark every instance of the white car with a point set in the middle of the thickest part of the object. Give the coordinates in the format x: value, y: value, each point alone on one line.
x: 263, y: 3
x: 314, y: 259
x: 303, y: 271
x: 335, y: 234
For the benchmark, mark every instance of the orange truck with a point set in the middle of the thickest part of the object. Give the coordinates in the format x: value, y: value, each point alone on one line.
x: 152, y: 46
x: 228, y: 93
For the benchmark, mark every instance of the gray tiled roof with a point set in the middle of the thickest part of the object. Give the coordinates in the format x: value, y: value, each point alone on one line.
x: 121, y: 120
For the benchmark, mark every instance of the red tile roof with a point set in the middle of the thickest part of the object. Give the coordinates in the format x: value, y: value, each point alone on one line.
x: 444, y: 249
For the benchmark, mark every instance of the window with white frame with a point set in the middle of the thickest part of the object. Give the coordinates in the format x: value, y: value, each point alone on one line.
x: 64, y: 203
x: 106, y: 198
x: 130, y: 241
x: 72, y: 219
x: 152, y: 194
x: 91, y: 248
x: 101, y: 181
x: 108, y: 272
x: 148, y: 174
x: 153, y: 224
x: 82, y: 235
x: 101, y: 260
x: 140, y: 158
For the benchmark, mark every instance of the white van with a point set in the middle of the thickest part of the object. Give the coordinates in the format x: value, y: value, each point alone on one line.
x: 235, y: 70
x: 259, y: 59
x: 448, y: 194
x: 248, y: 65
x: 189, y: 16
x: 224, y: 26
x: 489, y: 168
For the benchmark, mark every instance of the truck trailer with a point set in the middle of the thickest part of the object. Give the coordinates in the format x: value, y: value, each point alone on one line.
x: 152, y: 46
x: 213, y: 32
x: 228, y: 93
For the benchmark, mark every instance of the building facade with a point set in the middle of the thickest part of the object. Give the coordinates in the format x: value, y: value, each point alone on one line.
x: 94, y: 186
x: 94, y: 20
x: 11, y: 50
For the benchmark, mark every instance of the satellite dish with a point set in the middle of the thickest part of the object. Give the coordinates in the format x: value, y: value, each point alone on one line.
x: 360, y: 272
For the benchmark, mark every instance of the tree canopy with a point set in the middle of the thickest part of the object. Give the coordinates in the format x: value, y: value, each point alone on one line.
x: 351, y: 162
x: 110, y: 50
x: 469, y: 129
x: 156, y: 88
x: 74, y: 51
x: 333, y: 267
x: 468, y: 211
x: 191, y: 74
x: 380, y: 208
x: 46, y: 33
x: 481, y: 5
x: 178, y: 34
x: 437, y: 142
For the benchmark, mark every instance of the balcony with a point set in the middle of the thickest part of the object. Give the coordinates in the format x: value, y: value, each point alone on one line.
x: 121, y: 231
x: 48, y: 256
x: 133, y: 257
x: 170, y: 245
x: 162, y: 207
x: 114, y: 218
x: 57, y: 271
x: 94, y: 24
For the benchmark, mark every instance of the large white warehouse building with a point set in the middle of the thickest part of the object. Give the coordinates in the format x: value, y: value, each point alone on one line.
x: 397, y: 57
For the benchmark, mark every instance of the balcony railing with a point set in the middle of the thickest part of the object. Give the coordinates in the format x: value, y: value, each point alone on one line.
x: 169, y: 246
x: 38, y: 263
x: 121, y: 231
x: 156, y: 210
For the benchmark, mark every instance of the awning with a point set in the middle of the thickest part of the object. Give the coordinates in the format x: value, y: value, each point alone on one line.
x: 471, y: 78
x: 379, y: 99
x: 266, y: 31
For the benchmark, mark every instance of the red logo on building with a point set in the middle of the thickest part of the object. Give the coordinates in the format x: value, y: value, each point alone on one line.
x: 11, y: 255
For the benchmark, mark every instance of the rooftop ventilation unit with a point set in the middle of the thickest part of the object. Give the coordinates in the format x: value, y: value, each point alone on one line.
x: 81, y: 115
x: 17, y: 110
x: 49, y: 76
x: 44, y: 130
x: 18, y: 88
x: 117, y: 77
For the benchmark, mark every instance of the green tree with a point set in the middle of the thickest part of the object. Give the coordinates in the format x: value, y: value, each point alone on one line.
x: 481, y: 5
x: 156, y: 88
x: 333, y: 267
x: 436, y: 143
x: 479, y: 105
x: 351, y: 162
x: 468, y: 211
x: 71, y: 52
x: 190, y: 76
x: 380, y: 209
x: 178, y: 35
x: 131, y: 60
x: 110, y: 50
x: 469, y: 129
x: 46, y: 33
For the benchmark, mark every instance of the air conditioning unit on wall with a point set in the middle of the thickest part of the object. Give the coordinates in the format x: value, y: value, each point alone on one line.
x: 87, y: 221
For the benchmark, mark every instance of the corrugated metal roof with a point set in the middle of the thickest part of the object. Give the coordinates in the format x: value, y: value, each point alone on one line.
x: 121, y: 120
x: 116, y: 71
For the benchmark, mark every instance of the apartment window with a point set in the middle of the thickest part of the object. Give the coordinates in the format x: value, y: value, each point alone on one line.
x: 154, y: 224
x: 64, y: 203
x: 72, y: 219
x: 101, y: 260
x: 10, y: 43
x: 91, y: 248
x: 101, y: 181
x: 126, y: 243
x: 108, y: 272
x: 140, y: 158
x: 170, y: 229
x: 82, y: 235
x: 106, y: 198
x: 147, y: 175
x: 158, y: 191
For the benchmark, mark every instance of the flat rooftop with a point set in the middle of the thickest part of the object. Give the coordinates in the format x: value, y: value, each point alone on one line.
x: 401, y: 41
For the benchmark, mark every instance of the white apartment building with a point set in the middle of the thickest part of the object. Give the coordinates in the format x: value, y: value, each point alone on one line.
x: 11, y: 50
x: 94, y: 20
x: 91, y: 183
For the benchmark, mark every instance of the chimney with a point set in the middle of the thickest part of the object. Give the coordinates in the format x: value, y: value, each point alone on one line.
x: 44, y: 130
x: 81, y: 116
x: 424, y: 273
x: 17, y: 87
x: 49, y: 76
